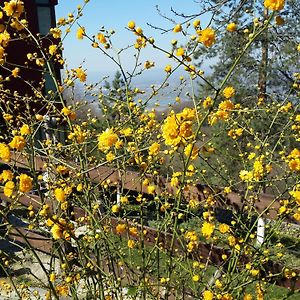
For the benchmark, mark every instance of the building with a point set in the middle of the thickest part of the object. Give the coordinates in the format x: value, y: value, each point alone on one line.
x: 21, y: 95
x: 40, y: 15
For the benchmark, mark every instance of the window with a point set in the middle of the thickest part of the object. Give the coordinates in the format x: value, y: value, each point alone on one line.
x: 49, y: 83
x: 44, y: 19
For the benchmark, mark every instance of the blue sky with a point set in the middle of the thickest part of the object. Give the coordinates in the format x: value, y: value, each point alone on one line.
x: 115, y: 14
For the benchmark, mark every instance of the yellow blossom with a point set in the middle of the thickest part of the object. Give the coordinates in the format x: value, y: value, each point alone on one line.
x: 231, y: 27
x: 196, y: 23
x: 13, y: 8
x: 18, y: 143
x: 207, y: 102
x: 60, y: 194
x: 131, y: 244
x: 120, y: 228
x: 80, y: 33
x: 131, y: 25
x: 274, y: 4
x: 196, y: 278
x: 80, y: 74
x: 57, y: 231
x: 226, y: 105
x: 56, y: 33
x: 115, y: 208
x: 191, y: 151
x: 228, y: 92
x: 180, y: 52
x: 107, y: 139
x: 25, y: 184
x: 296, y: 195
x: 177, y: 28
x: 7, y: 117
x: 208, y: 295
x: 207, y: 37
x: 168, y: 68
x: 5, y: 152
x: 6, y: 175
x: 223, y: 228
x: 52, y: 49
x: 110, y: 156
x: 101, y: 38
x: 9, y: 188
x: 154, y: 149
x: 25, y: 129
x: 207, y: 229
x: 15, y: 72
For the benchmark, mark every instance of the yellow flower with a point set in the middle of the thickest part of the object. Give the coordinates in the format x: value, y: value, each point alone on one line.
x: 131, y: 25
x: 9, y: 188
x: 224, y: 228
x: 120, y: 228
x: 56, y: 33
x: 5, y: 152
x: 52, y: 277
x: 80, y: 74
x: 124, y: 200
x: 248, y: 297
x: 177, y: 28
x: 115, y: 208
x: 131, y: 244
x: 25, y: 129
x: 196, y: 278
x: 207, y: 37
x: 245, y: 175
x: 196, y: 23
x: 18, y: 143
x: 226, y: 105
x: 192, y: 151
x: 207, y: 102
x: 107, y: 139
x: 110, y: 156
x: 14, y: 8
x: 57, y: 232
x: 69, y: 113
x: 154, y: 149
x: 6, y: 175
x: 101, y: 38
x: 127, y: 131
x: 15, y: 72
x: 151, y: 189
x: 62, y: 290
x: 60, y: 194
x: 180, y: 52
x: 178, y: 127
x: 80, y: 33
x: 52, y: 49
x: 258, y: 169
x: 296, y: 195
x: 208, y: 295
x: 274, y: 4
x: 7, y: 117
x: 231, y: 27
x: 168, y: 68
x: 228, y: 92
x: 25, y: 184
x: 207, y: 229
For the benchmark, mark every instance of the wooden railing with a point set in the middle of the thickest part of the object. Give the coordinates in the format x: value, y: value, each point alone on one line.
x: 131, y: 181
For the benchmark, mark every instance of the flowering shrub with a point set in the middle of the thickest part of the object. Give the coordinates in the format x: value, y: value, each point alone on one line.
x: 130, y: 202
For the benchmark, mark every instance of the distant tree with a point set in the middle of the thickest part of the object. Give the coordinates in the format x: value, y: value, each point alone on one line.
x: 263, y: 76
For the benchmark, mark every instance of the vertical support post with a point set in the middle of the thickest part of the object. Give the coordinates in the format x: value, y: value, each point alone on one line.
x: 260, y: 232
